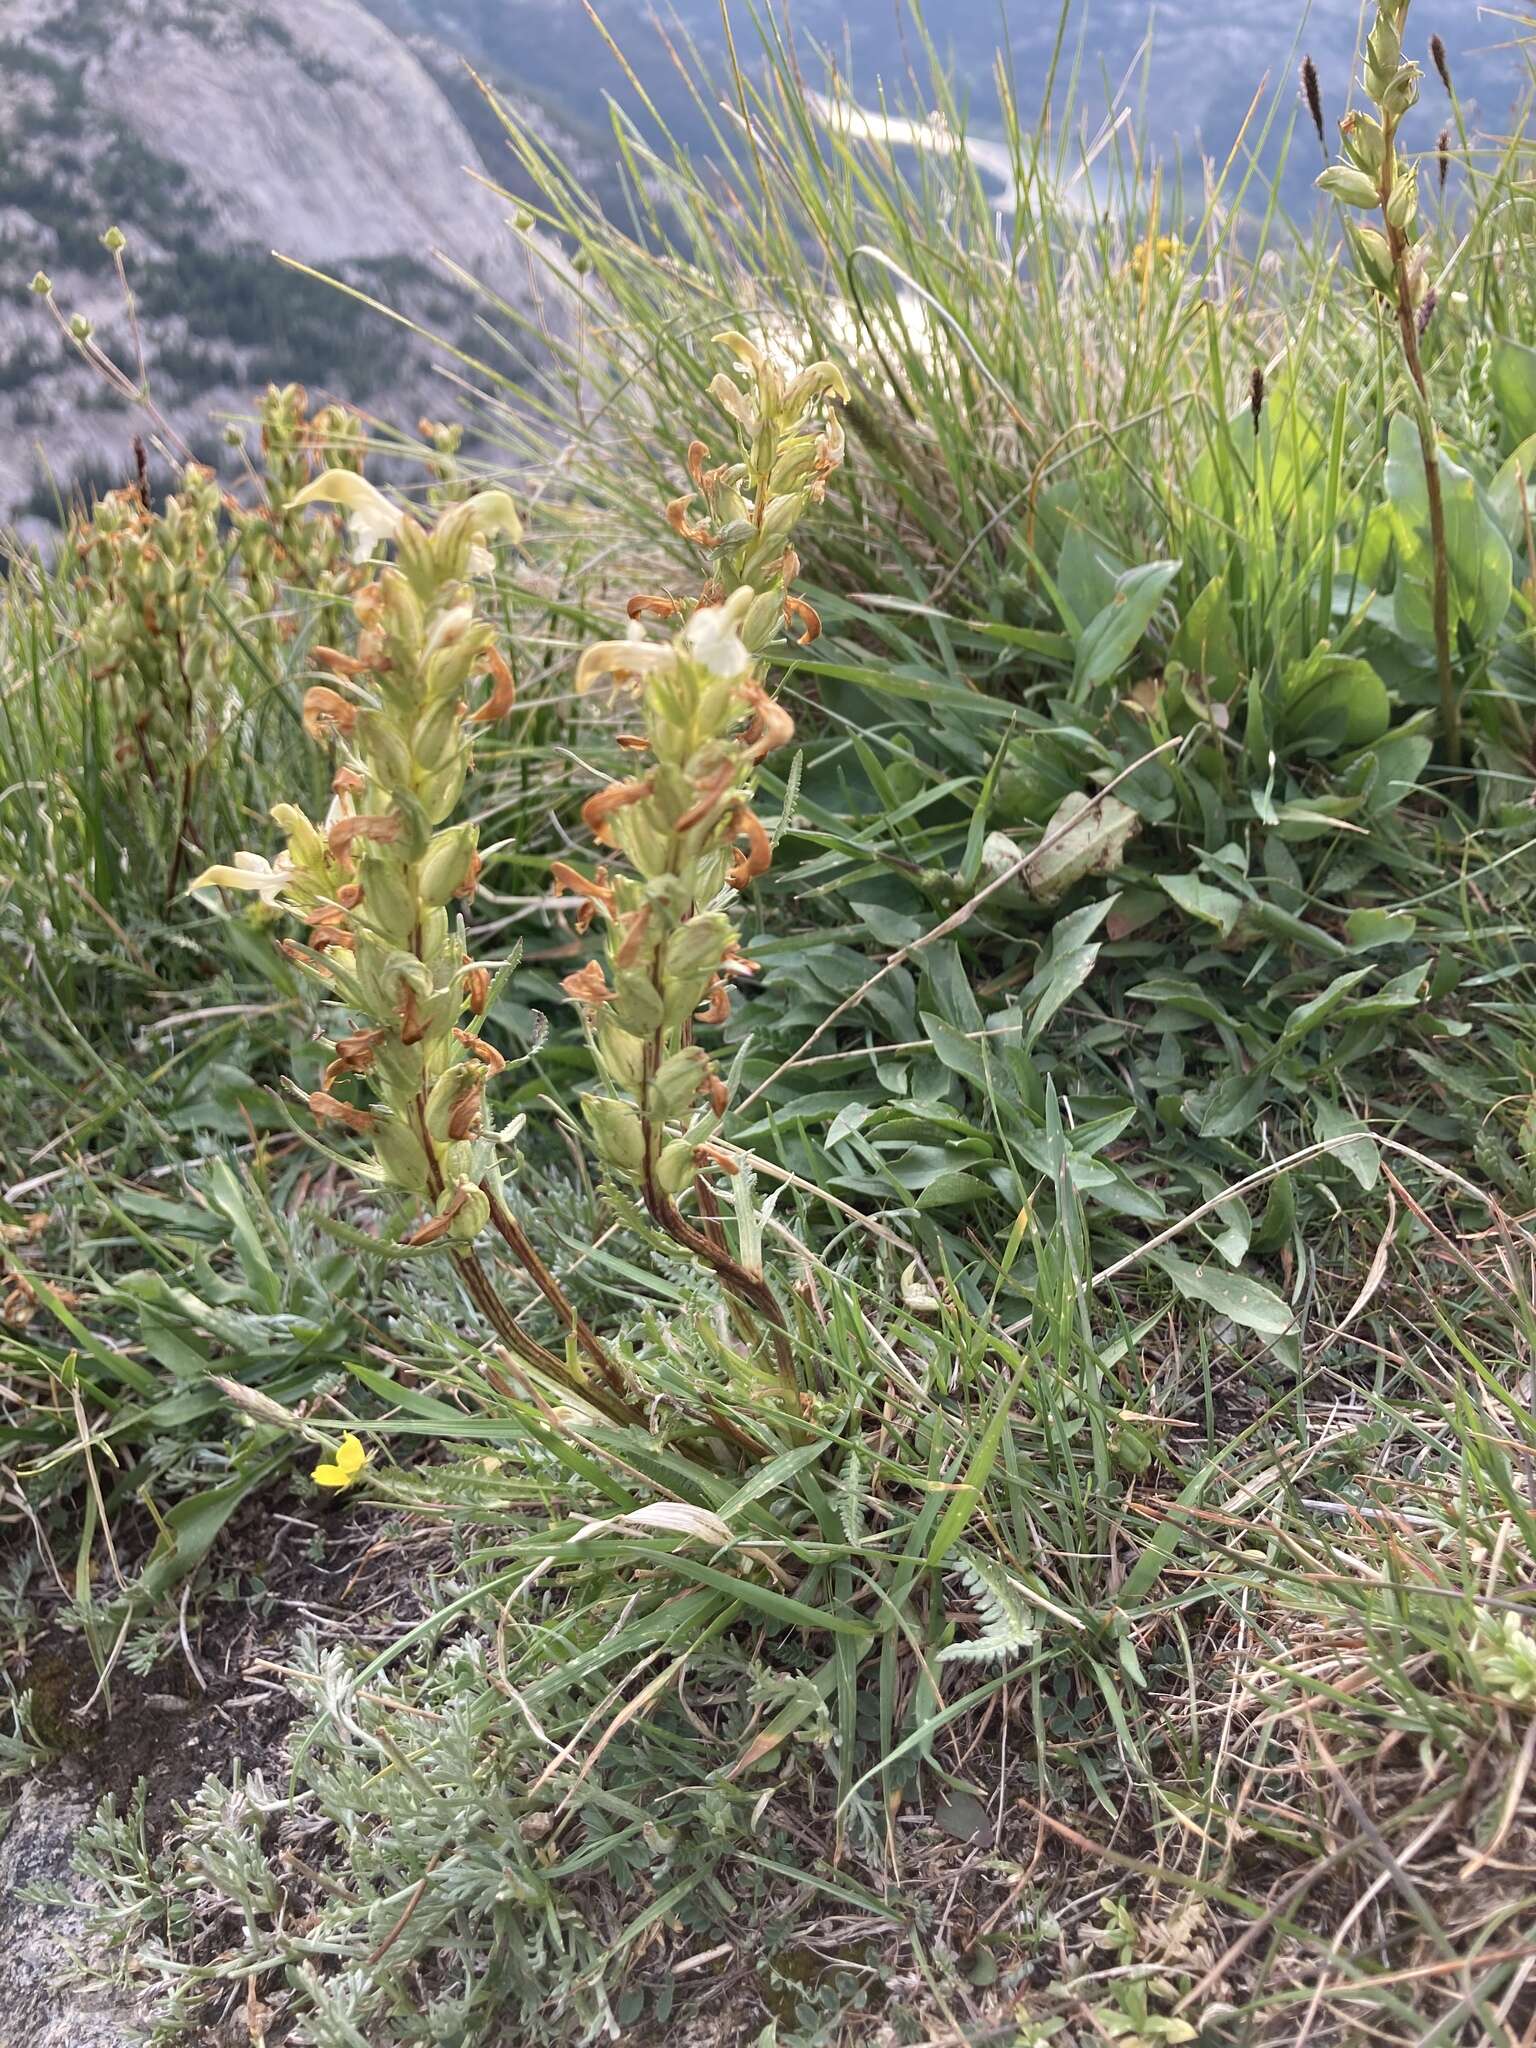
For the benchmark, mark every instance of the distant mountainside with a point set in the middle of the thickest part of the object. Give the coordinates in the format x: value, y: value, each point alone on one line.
x: 211, y: 135
x: 338, y: 131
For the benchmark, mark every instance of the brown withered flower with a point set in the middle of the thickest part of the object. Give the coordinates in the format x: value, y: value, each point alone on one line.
x: 596, y: 895
x: 326, y: 713
x: 588, y: 986
x: 331, y: 1109
x: 600, y: 806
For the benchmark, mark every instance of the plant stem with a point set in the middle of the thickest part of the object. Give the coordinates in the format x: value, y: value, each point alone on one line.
x: 1408, y: 335
x: 522, y: 1249
x: 478, y: 1286
x: 748, y: 1287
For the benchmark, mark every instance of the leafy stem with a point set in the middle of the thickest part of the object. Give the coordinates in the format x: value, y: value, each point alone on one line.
x: 1408, y: 335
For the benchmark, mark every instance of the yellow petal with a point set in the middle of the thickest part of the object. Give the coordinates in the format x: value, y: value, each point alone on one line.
x: 350, y: 1455
x: 494, y: 512
x: 627, y: 661
x: 371, y: 516
x: 233, y: 878
x: 330, y: 1475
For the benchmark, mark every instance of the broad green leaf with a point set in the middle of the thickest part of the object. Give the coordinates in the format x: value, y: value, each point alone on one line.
x: 1212, y: 906
x: 1320, y: 1007
x: 1370, y: 554
x: 1232, y: 1240
x: 1279, y: 1218
x: 1235, y: 1295
x: 1056, y: 983
x: 1206, y: 641
x: 953, y: 1188
x: 1481, y: 567
x: 1361, y: 1156
x: 1368, y: 929
x: 1336, y: 699
x: 1512, y: 375
x: 1510, y: 493
x: 1401, y: 759
x: 849, y: 1119
x: 1087, y: 571
x: 1233, y: 1105
x: 1113, y: 635
x: 190, y: 1528
x: 960, y: 1054
x: 1404, y: 991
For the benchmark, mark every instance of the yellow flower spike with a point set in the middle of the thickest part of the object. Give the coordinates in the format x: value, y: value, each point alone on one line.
x: 348, y: 1464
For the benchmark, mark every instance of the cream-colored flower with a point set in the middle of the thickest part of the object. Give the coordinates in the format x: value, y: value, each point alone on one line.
x: 712, y: 637
x: 489, y: 512
x: 371, y: 518
x: 252, y: 871
x: 627, y: 661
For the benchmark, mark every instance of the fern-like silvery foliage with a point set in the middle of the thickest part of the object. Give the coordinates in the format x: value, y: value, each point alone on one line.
x: 1008, y: 1624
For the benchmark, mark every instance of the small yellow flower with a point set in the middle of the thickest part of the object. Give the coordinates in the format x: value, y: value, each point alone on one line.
x: 1154, y: 252
x: 348, y: 1464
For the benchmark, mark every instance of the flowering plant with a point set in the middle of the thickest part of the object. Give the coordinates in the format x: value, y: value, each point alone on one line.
x: 683, y: 826
x: 376, y: 882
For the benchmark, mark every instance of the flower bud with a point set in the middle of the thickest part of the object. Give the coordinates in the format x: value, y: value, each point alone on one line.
x: 1364, y: 142
x: 392, y: 902
x: 616, y: 1131
x: 401, y: 1155
x: 1401, y: 94
x: 696, y: 948
x: 1353, y: 187
x: 1403, y: 200
x: 448, y: 1095
x: 1374, y: 258
x: 472, y: 1214
x: 764, y: 617
x: 636, y: 1005
x: 306, y: 849
x: 676, y: 1165
x: 676, y: 1084
x: 445, y: 864
x: 621, y: 1052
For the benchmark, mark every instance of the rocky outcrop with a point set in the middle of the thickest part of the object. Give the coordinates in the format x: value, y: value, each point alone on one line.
x: 212, y: 136
x: 304, y: 126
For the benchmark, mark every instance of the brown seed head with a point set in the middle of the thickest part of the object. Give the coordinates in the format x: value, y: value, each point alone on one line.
x: 1312, y: 93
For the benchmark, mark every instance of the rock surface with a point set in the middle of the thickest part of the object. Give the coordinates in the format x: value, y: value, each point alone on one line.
x: 40, y: 2007
x: 305, y: 127
x: 212, y: 136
